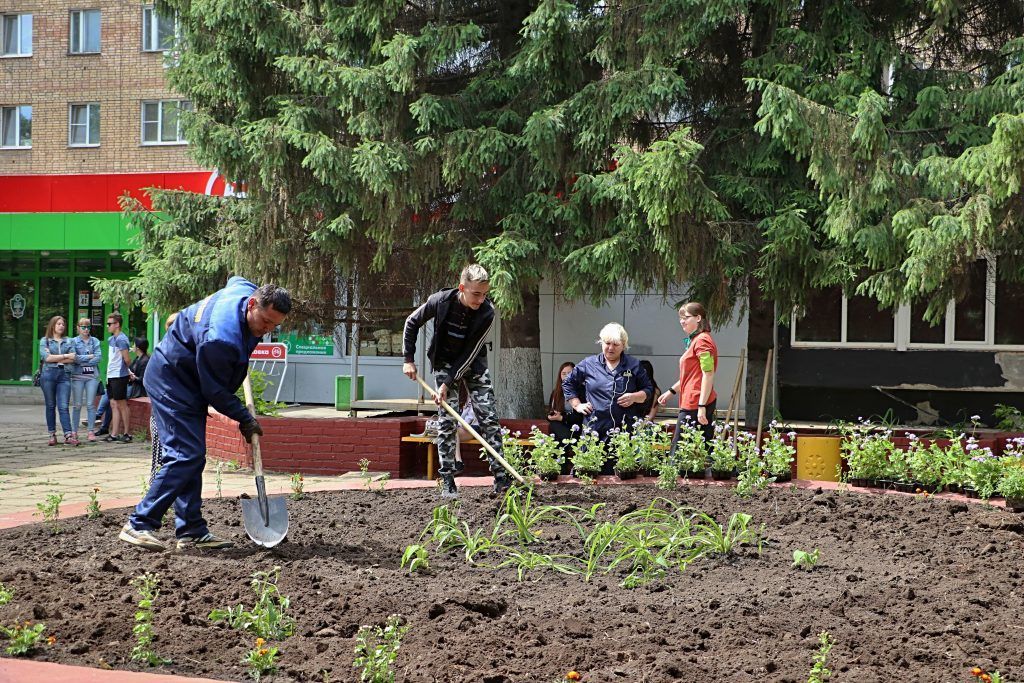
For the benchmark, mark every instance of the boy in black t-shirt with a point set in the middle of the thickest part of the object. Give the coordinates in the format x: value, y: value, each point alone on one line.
x: 462, y: 320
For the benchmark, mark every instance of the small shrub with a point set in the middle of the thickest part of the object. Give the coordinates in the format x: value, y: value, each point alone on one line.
x: 267, y: 619
x: 1011, y: 482
x: 148, y: 586
x: 296, y: 485
x: 24, y: 638
x: 50, y: 510
x: 588, y: 454
x: 546, y: 457
x: 624, y: 448
x: 92, y: 509
x: 260, y: 659
x: 820, y: 671
x: 377, y: 649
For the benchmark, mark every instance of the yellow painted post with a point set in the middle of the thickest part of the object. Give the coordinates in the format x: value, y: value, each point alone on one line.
x: 817, y: 457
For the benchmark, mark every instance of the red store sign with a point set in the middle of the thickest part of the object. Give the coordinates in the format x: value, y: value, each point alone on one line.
x: 273, y: 351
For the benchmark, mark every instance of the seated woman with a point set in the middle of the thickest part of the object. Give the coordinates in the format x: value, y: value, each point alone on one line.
x: 649, y: 408
x: 608, y: 388
x: 560, y: 421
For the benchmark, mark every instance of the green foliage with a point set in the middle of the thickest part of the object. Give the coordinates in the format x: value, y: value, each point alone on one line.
x: 296, y: 483
x: 260, y: 383
x: 546, y: 456
x: 23, y: 638
x: 6, y: 594
x: 416, y: 558
x: 819, y: 670
x: 92, y: 508
x: 261, y: 659
x: 691, y: 452
x: 588, y: 454
x: 1010, y: 418
x: 377, y: 648
x: 148, y: 587
x: 50, y: 511
x: 1011, y: 481
x: 267, y: 619
x: 624, y: 450
x: 805, y: 560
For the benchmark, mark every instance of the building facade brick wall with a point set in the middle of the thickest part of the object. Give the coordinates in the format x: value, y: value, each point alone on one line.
x: 119, y: 78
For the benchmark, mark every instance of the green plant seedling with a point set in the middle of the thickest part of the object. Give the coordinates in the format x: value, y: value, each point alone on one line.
x: 148, y: 586
x: 267, y: 619
x: 50, y: 510
x: 6, y: 595
x: 415, y: 556
x: 260, y: 659
x: 819, y: 670
x: 24, y: 638
x: 297, y: 485
x: 805, y: 560
x: 92, y: 509
x: 383, y: 482
x: 376, y: 650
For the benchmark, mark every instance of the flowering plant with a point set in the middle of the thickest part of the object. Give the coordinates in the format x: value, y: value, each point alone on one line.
x: 546, y: 457
x: 723, y: 459
x: 651, y: 441
x: 867, y: 455
x: 924, y: 463
x: 625, y: 448
x: 1011, y: 481
x: 511, y: 449
x: 588, y: 453
x: 776, y: 453
x: 691, y: 453
x: 984, y: 471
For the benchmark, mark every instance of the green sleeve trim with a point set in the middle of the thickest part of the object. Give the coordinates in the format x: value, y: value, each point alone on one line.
x: 707, y: 362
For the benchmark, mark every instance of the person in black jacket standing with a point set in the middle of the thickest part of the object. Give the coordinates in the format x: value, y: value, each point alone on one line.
x: 462, y: 320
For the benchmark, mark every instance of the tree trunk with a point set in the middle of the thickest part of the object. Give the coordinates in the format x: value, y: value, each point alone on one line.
x: 519, y: 386
x: 760, y: 338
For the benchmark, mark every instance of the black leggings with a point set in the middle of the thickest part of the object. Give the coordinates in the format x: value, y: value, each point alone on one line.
x: 690, y: 417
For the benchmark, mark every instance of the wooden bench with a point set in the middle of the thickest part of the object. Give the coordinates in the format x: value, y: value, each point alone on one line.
x: 432, y: 448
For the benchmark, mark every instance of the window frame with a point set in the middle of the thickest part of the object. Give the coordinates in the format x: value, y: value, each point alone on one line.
x: 18, y: 54
x: 159, y: 122
x: 71, y: 124
x: 151, y: 20
x: 17, y: 120
x: 81, y: 31
x: 902, y: 320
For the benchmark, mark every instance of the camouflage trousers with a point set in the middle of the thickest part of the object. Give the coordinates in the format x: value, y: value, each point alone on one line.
x: 481, y: 394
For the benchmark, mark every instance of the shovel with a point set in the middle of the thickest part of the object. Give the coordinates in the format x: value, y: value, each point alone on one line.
x: 465, y: 425
x: 266, y: 519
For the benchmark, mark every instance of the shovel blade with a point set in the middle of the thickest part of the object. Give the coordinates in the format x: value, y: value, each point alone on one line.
x: 268, y: 531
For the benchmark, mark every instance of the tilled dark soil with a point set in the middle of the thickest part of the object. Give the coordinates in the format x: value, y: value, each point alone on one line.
x: 911, y: 590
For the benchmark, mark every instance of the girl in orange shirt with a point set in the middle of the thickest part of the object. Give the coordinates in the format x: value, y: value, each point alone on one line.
x: 697, y: 365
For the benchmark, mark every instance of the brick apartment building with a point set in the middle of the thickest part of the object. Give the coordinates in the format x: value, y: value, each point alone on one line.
x: 85, y: 117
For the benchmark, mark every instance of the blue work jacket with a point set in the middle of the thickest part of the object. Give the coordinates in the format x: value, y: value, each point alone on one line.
x: 204, y: 356
x: 591, y: 381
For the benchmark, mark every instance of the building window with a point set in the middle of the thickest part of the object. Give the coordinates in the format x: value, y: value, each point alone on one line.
x: 158, y: 32
x: 161, y: 122
x: 17, y: 35
x: 16, y: 127
x: 84, y: 125
x: 987, y: 317
x: 85, y: 31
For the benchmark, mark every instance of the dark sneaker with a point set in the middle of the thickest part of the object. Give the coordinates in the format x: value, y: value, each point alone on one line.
x: 501, y: 485
x: 459, y: 466
x: 124, y: 438
x: 207, y: 542
x: 142, y: 538
x: 110, y: 438
x: 448, y: 487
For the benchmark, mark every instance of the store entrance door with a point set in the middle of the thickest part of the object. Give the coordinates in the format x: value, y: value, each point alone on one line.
x: 16, y: 335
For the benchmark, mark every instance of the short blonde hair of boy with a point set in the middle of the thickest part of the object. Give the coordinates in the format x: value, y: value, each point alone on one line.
x: 614, y: 332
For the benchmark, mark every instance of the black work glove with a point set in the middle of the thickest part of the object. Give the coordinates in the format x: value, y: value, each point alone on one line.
x: 250, y: 427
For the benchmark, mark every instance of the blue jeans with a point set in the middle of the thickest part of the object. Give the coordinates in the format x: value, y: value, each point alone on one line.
x: 56, y: 389
x: 84, y: 388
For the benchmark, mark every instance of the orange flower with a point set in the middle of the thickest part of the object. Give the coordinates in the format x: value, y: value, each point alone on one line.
x: 573, y: 676
x: 263, y: 652
x: 51, y: 640
x: 986, y: 678
x: 259, y: 642
x: 977, y: 671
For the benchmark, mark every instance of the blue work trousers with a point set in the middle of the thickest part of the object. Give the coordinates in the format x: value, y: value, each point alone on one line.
x: 180, y: 480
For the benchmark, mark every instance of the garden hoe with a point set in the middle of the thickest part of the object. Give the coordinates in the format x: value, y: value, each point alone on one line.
x: 454, y: 413
x: 266, y: 519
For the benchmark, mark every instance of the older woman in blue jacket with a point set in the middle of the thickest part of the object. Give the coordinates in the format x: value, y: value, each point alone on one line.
x: 612, y: 382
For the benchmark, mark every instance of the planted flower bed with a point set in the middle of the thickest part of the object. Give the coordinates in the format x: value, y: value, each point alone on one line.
x: 616, y: 583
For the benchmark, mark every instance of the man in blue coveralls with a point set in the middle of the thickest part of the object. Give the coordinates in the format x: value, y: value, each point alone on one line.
x: 201, y: 362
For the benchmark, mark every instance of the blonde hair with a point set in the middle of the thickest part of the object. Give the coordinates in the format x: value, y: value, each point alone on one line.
x: 474, y: 272
x: 614, y: 332
x: 85, y: 321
